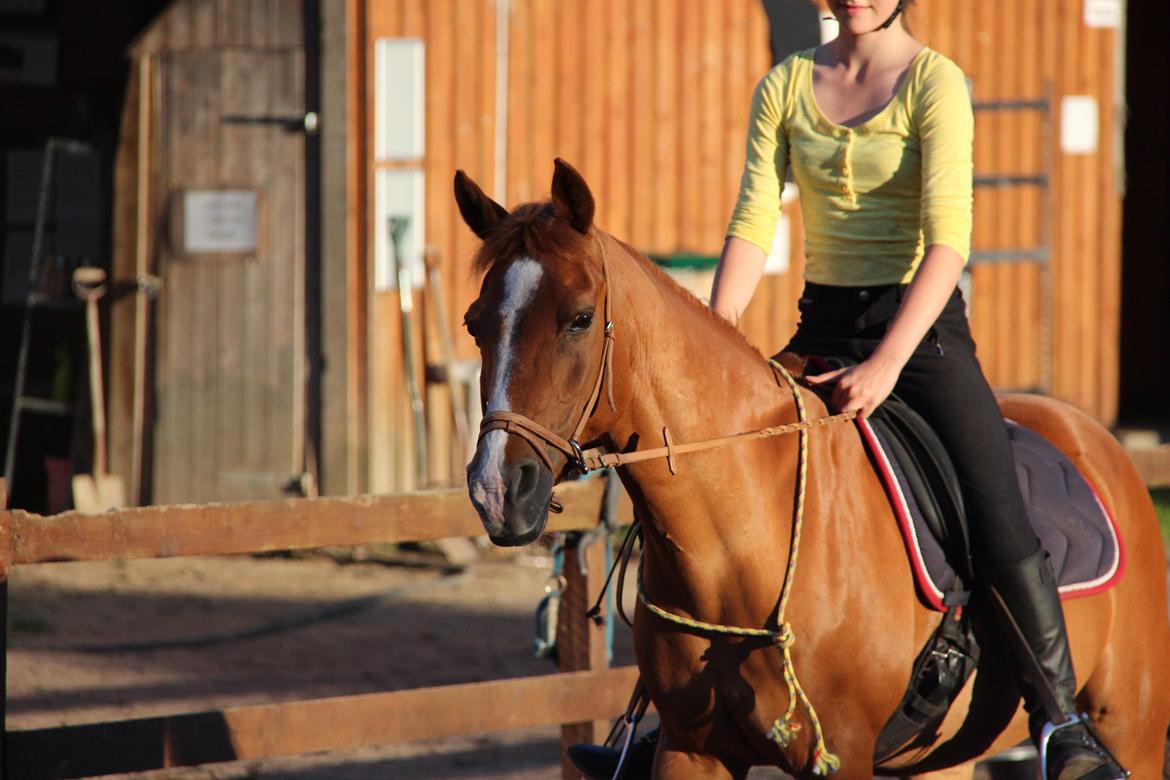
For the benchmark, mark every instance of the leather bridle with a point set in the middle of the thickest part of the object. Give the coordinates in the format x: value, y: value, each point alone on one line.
x: 585, y: 461
x: 538, y: 435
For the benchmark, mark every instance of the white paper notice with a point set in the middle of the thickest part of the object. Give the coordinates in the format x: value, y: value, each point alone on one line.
x: 219, y: 221
x: 1103, y: 13
x: 399, y: 91
x: 1079, y: 122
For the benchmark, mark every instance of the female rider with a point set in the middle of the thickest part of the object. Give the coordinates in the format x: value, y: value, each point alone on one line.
x: 877, y: 130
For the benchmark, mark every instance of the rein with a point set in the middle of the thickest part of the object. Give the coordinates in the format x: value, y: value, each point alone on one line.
x: 785, y: 728
x: 589, y: 460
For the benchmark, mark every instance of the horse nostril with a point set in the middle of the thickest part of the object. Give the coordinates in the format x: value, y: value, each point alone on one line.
x: 524, y: 479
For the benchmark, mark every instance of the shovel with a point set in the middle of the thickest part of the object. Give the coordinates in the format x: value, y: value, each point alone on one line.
x: 97, y: 492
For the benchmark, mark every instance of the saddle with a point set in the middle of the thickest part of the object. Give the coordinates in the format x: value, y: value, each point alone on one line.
x: 1073, y: 525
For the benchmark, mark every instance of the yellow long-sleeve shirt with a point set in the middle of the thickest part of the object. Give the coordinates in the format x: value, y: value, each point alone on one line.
x: 875, y: 195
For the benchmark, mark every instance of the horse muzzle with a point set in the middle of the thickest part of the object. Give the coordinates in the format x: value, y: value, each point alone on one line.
x: 512, y: 501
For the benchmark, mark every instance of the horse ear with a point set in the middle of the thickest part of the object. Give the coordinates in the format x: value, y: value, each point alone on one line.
x: 480, y: 212
x: 571, y: 196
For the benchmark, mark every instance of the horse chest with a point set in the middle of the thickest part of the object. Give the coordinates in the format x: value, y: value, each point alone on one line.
x: 730, y: 690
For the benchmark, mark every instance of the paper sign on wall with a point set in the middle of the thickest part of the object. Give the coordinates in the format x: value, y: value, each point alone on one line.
x: 1078, y: 124
x: 217, y: 221
x: 1103, y: 13
x: 398, y: 193
x: 778, y: 260
x: 399, y: 90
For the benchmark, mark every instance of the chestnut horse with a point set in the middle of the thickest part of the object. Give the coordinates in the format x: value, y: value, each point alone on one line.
x: 718, y: 532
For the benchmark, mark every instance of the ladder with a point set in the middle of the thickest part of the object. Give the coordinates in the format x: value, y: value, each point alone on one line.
x: 37, y: 300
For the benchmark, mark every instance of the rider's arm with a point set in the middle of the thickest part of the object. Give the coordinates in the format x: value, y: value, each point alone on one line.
x: 757, y: 210
x: 740, y: 266
x: 928, y: 293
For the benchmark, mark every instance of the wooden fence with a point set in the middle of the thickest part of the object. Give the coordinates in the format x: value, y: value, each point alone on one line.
x: 580, y: 697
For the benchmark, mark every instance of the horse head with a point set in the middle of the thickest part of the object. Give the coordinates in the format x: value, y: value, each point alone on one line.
x: 540, y: 327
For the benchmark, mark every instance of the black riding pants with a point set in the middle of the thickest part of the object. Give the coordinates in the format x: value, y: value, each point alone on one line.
x: 944, y: 383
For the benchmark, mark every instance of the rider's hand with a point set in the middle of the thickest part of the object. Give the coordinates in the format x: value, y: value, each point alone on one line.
x: 861, y: 387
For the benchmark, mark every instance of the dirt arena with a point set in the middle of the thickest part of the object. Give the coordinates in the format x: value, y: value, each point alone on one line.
x: 91, y: 642
x: 111, y: 640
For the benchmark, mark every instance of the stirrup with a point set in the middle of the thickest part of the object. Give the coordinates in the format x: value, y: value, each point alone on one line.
x: 1051, y: 728
x: 628, y: 722
x: 631, y: 728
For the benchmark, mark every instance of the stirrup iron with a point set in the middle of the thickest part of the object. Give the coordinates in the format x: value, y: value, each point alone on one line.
x: 1051, y: 728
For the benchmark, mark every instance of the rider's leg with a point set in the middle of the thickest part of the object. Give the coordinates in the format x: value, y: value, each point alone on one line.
x: 944, y: 383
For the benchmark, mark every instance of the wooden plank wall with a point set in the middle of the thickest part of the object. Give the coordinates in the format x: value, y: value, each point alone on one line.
x: 228, y: 378
x: 649, y: 100
x: 619, y: 91
x: 1013, y: 51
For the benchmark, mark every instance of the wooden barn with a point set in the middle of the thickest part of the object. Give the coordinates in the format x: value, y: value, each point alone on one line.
x: 273, y: 162
x: 649, y: 100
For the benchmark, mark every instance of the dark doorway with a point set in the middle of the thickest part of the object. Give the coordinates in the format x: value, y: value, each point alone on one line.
x: 1145, y: 268
x: 63, y: 72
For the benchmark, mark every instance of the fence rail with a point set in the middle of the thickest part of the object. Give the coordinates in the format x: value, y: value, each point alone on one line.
x: 578, y: 698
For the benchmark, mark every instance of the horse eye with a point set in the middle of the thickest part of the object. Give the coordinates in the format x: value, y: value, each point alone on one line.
x: 581, y: 322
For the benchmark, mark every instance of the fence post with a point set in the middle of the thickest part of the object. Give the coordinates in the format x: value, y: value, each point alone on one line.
x: 5, y: 567
x: 580, y: 642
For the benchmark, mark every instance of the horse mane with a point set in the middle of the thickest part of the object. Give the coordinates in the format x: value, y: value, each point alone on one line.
x: 536, y: 230
x: 718, y: 322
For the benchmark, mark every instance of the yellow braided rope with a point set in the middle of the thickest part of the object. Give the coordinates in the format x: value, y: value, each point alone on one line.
x: 785, y: 728
x: 824, y: 762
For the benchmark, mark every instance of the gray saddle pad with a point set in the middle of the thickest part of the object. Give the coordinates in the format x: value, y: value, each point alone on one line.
x: 1066, y: 512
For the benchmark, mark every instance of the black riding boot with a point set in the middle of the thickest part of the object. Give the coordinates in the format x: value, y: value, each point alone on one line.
x: 597, y: 762
x: 1073, y: 752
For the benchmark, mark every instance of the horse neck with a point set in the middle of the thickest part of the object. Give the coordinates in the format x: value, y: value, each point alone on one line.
x: 676, y: 366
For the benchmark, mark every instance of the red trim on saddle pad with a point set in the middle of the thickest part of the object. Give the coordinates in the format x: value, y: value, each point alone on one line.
x: 926, y: 587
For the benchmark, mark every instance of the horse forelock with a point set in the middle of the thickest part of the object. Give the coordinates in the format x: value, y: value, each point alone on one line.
x: 531, y: 230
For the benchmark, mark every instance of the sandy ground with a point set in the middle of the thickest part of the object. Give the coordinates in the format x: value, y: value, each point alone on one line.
x: 425, y: 629
x: 103, y: 641
x: 92, y: 642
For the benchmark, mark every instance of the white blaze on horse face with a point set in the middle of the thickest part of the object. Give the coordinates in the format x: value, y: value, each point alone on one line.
x: 521, y: 281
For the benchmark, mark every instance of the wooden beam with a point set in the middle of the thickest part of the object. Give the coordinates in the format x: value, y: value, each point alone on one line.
x: 581, y: 642
x: 262, y: 526
x: 341, y: 723
x: 1153, y: 463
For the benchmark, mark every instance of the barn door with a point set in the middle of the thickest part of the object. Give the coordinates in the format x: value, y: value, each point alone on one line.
x: 229, y: 360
